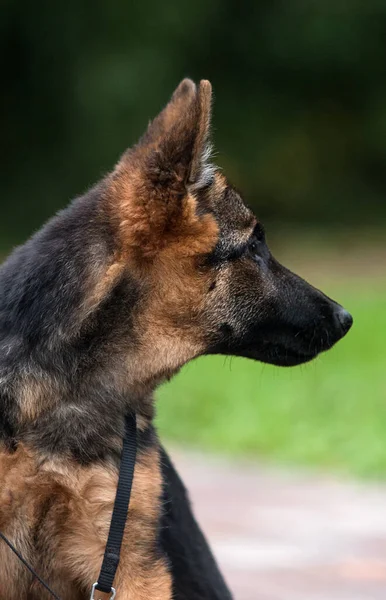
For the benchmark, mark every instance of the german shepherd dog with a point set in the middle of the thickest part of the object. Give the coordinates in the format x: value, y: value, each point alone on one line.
x: 157, y: 264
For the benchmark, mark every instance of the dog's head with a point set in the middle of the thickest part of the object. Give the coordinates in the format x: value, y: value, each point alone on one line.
x: 209, y: 283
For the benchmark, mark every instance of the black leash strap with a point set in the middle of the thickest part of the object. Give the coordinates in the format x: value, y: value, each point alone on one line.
x: 120, y: 511
x: 118, y: 519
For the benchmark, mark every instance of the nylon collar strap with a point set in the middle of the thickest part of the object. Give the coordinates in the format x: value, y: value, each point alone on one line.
x: 121, y: 507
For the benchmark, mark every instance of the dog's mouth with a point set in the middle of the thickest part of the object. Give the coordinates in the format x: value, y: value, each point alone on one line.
x: 282, y: 351
x: 280, y: 356
x: 290, y: 351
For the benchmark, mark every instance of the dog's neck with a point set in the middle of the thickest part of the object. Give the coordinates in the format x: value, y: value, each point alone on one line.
x: 86, y: 430
x: 79, y: 413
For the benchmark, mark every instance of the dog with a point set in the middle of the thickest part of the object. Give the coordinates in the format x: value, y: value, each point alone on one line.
x: 159, y: 263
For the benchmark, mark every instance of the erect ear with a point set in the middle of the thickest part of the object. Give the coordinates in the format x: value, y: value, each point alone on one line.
x: 177, y: 141
x: 150, y: 192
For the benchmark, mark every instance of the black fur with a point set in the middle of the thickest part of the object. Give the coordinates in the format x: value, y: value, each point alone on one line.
x: 41, y: 296
x: 195, y: 572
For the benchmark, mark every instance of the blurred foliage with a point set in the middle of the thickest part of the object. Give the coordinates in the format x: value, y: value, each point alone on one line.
x: 300, y: 117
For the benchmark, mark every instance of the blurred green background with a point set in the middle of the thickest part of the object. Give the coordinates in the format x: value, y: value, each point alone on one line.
x: 299, y: 126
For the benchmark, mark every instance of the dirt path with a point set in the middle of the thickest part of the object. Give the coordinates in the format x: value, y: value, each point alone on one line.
x: 282, y: 535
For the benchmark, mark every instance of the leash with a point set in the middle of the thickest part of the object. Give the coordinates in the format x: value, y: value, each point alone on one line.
x: 19, y: 556
x: 118, y: 520
x: 121, y: 508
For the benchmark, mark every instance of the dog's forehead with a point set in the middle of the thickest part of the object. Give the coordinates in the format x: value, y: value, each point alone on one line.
x: 236, y: 221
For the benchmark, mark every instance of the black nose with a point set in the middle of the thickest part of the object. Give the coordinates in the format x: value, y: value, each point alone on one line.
x: 343, y: 319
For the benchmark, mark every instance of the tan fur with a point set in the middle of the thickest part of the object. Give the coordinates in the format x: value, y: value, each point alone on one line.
x: 177, y: 295
x: 148, y: 220
x: 99, y: 286
x: 219, y: 186
x: 66, y: 509
x: 35, y: 394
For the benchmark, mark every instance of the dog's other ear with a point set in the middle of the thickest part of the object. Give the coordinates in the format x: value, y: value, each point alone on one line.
x: 200, y: 169
x: 152, y: 190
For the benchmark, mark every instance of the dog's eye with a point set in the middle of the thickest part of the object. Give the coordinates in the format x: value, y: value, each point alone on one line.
x: 259, y: 233
x: 254, y: 246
